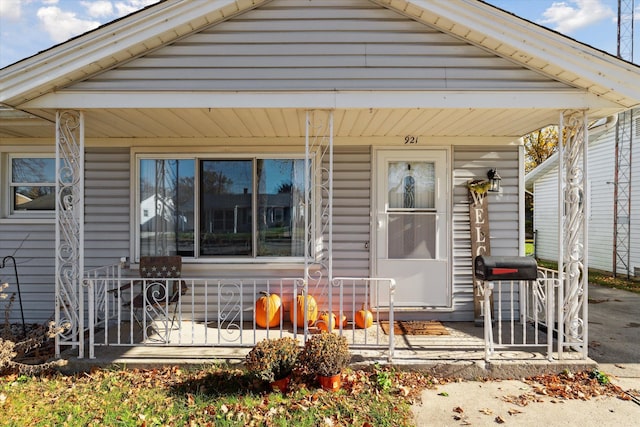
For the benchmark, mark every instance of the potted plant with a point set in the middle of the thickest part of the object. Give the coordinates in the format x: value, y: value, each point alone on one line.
x: 272, y: 361
x: 326, y: 355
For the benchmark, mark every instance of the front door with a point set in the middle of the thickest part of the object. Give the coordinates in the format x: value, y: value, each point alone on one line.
x: 412, y: 228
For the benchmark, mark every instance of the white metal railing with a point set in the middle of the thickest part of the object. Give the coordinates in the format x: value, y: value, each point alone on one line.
x: 133, y: 311
x: 524, y: 313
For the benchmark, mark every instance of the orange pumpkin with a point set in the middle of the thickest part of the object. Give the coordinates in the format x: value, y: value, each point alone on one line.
x: 344, y: 321
x: 363, y: 318
x: 268, y: 310
x: 329, y: 323
x: 298, y: 307
x: 326, y: 322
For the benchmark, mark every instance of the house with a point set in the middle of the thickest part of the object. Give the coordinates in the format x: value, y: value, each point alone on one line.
x: 371, y: 116
x: 543, y: 182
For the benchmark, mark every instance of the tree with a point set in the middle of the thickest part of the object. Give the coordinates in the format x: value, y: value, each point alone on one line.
x: 539, y: 146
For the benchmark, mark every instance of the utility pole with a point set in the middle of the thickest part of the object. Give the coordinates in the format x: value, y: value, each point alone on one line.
x: 623, y: 154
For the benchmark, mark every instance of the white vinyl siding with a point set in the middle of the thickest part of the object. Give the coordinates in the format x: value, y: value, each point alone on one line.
x: 545, y: 215
x: 32, y: 247
x: 601, y: 176
x: 600, y: 205
x: 473, y: 163
x: 107, y: 194
x: 635, y: 198
x: 319, y: 45
x: 351, y: 207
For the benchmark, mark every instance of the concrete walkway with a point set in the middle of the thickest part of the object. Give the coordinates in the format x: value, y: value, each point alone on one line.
x: 614, y: 342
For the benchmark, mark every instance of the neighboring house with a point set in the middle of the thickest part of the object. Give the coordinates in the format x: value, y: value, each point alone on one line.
x: 372, y: 116
x: 543, y: 182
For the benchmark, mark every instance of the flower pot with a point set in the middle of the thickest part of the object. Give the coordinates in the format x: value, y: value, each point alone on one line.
x: 332, y: 383
x: 281, y: 385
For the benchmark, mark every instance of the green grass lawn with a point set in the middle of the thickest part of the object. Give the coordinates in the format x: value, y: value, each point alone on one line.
x: 214, y: 395
x: 602, y: 278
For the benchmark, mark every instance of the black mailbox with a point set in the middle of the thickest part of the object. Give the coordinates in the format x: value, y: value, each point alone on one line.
x: 505, y: 268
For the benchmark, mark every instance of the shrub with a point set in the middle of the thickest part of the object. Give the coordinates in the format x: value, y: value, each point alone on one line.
x: 272, y: 359
x: 326, y: 354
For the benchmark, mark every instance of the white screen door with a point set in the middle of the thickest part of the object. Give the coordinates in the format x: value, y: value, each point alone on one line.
x: 411, y: 226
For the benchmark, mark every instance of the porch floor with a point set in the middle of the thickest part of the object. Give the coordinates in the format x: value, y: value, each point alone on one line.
x: 459, y: 354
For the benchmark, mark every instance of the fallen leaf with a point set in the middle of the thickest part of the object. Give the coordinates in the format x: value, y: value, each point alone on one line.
x: 458, y: 409
x: 444, y: 393
x: 191, y: 401
x: 486, y: 411
x: 514, y: 412
x: 499, y: 420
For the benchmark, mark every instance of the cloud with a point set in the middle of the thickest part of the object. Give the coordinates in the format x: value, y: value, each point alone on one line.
x: 126, y: 7
x: 11, y: 9
x: 61, y: 25
x: 569, y: 16
x: 98, y: 9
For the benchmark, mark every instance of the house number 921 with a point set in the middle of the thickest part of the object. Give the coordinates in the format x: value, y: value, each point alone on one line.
x: 410, y: 139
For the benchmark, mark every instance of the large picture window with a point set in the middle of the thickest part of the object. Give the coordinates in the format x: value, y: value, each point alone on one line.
x: 206, y: 208
x: 32, y: 185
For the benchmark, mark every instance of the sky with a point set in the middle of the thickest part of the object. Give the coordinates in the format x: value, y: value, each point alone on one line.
x: 30, y: 26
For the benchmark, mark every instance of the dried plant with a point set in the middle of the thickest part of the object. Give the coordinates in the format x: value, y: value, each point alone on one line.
x: 326, y: 354
x: 15, y: 347
x: 272, y: 359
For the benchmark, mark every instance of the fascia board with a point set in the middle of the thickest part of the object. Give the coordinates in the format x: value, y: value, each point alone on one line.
x: 532, y: 40
x: 555, y: 100
x: 139, y: 29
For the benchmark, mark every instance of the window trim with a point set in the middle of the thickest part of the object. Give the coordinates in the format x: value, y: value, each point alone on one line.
x: 199, y: 156
x: 6, y: 167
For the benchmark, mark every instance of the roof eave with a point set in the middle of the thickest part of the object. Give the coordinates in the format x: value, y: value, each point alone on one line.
x: 477, y: 22
x: 112, y: 44
x: 530, y: 44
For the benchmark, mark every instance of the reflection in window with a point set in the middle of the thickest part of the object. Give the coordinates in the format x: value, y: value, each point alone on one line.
x: 33, y: 184
x: 225, y: 207
x: 166, y: 207
x: 280, y: 197
x: 246, y: 207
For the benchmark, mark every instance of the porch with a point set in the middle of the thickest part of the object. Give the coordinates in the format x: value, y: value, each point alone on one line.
x: 214, y: 321
x: 460, y: 354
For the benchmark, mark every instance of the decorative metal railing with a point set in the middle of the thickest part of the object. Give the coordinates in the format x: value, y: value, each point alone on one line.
x: 132, y: 311
x: 524, y: 314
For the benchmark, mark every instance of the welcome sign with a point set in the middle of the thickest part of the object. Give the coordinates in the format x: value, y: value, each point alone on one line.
x: 480, y: 242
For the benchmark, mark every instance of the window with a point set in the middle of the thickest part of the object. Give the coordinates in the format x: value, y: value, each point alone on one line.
x: 222, y: 208
x: 32, y: 184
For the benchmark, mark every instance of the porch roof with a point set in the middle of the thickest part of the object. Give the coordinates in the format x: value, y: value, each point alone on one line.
x: 595, y: 80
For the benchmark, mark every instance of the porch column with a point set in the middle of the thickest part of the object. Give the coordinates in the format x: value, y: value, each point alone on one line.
x: 318, y: 203
x: 573, y: 229
x: 69, y: 246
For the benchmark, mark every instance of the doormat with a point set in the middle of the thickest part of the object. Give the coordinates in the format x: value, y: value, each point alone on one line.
x: 415, y: 327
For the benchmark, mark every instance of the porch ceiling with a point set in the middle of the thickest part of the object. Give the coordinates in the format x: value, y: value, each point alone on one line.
x: 285, y: 122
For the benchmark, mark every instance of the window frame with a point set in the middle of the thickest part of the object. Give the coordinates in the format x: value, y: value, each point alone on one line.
x: 197, y: 158
x: 9, y: 211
